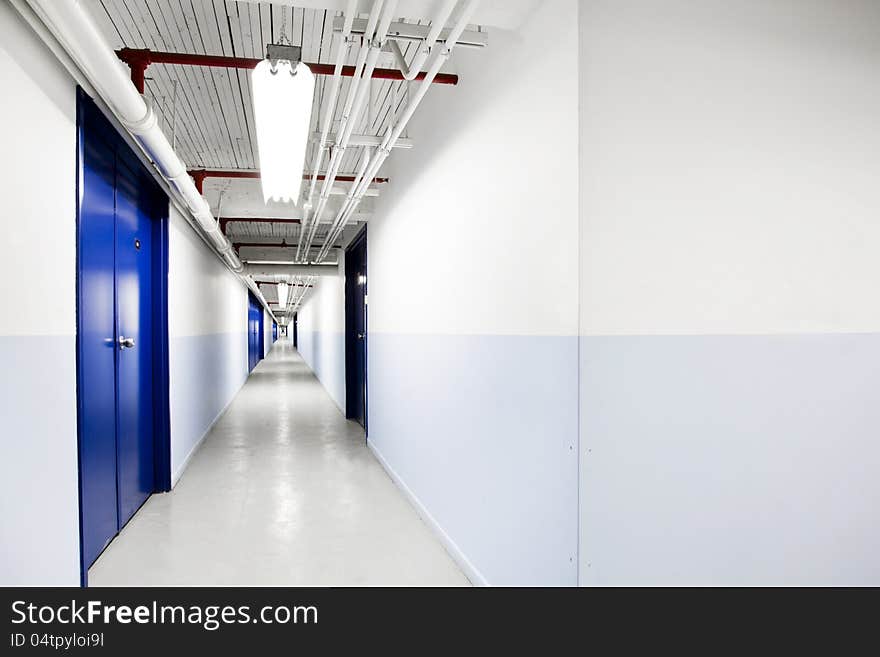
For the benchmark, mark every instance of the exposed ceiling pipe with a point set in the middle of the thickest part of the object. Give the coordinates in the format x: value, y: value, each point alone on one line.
x: 363, y: 84
x: 271, y: 269
x: 313, y: 214
x: 392, y: 135
x: 200, y: 175
x: 307, y: 288
x: 276, y: 245
x: 139, y: 59
x: 380, y: 19
x: 70, y: 24
x: 225, y: 221
x: 279, y: 279
x: 341, y: 54
x: 411, y: 71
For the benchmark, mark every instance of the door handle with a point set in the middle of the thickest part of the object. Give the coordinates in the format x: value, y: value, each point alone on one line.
x: 360, y: 336
x: 126, y: 343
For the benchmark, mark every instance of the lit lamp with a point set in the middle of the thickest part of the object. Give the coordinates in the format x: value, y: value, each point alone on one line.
x: 282, y: 294
x: 283, y: 90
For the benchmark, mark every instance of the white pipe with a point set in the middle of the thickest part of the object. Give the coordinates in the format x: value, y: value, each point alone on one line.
x: 411, y: 71
x: 330, y: 110
x: 71, y: 25
x: 372, y: 58
x: 392, y: 135
x: 377, y: 29
x: 310, y: 222
x: 343, y: 213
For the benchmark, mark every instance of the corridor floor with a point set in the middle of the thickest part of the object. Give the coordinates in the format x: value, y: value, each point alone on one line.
x: 283, y: 492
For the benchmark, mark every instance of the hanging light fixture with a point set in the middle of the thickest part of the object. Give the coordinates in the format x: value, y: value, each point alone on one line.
x: 283, y: 90
x: 282, y: 294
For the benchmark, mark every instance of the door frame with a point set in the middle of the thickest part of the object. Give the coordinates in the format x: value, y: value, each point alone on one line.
x: 351, y: 342
x: 87, y: 110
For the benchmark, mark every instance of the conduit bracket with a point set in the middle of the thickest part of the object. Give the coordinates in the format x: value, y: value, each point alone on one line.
x: 138, y: 61
x: 146, y: 123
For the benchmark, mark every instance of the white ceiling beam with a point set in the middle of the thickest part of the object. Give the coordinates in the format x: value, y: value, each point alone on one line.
x: 504, y: 14
x: 413, y: 32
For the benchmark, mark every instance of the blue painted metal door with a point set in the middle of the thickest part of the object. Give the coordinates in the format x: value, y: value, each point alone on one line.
x: 356, y: 330
x: 97, y: 345
x: 255, y: 332
x: 118, y: 208
x: 134, y: 207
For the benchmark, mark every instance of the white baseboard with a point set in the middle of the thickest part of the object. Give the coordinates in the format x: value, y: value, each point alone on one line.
x: 454, y: 551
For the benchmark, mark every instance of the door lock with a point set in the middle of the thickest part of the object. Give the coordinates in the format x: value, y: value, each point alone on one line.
x: 360, y: 336
x: 126, y: 343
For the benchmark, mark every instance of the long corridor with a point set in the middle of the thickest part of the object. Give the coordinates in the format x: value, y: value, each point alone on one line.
x: 283, y: 491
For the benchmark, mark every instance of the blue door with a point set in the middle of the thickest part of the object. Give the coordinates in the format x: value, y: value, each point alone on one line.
x: 120, y: 318
x: 96, y: 337
x: 356, y: 330
x: 255, y: 332
x: 134, y: 207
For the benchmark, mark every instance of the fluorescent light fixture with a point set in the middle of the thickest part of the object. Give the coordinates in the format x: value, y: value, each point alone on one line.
x: 283, y: 94
x: 282, y: 294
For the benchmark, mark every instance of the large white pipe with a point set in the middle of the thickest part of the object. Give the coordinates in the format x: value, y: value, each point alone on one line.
x: 70, y: 24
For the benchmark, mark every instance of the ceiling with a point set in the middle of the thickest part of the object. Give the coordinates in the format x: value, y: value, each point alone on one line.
x: 207, y: 112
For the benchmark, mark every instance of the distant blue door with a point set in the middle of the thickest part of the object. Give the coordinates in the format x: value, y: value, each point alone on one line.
x: 255, y: 332
x: 119, y: 210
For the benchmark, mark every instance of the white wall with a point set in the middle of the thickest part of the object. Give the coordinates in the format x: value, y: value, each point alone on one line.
x: 207, y: 324
x: 473, y: 307
x: 39, y: 523
x: 321, y: 333
x: 730, y: 353
x: 267, y: 332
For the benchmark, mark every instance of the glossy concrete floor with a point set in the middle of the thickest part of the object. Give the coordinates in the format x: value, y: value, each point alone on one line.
x: 283, y: 491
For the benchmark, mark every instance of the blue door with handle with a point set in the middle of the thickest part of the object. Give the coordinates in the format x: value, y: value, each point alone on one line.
x: 121, y: 332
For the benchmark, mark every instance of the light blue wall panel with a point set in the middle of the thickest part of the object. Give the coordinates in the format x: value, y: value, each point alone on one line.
x: 206, y: 371
x: 324, y: 353
x: 731, y: 460
x: 482, y: 430
x: 39, y: 508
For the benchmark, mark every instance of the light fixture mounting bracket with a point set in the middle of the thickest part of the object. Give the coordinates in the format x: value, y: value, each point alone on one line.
x: 279, y: 51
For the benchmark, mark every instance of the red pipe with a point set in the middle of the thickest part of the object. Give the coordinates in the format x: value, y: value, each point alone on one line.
x: 140, y: 58
x: 276, y: 283
x: 256, y: 220
x: 199, y: 176
x: 282, y: 245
